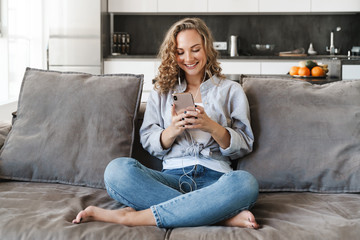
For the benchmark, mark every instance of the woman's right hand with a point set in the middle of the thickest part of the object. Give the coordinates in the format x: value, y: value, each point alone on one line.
x: 176, y: 128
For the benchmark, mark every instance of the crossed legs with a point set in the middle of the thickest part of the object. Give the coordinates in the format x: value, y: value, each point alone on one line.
x: 152, y: 207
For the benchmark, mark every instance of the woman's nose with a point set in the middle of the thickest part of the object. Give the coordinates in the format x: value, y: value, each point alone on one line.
x: 188, y: 56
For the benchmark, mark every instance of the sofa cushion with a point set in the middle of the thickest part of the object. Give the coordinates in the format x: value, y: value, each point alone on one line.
x: 295, y: 216
x: 70, y: 126
x: 4, y: 131
x: 306, y: 136
x: 44, y: 211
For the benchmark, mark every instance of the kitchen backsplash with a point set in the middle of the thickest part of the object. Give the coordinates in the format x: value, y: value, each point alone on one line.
x: 287, y: 32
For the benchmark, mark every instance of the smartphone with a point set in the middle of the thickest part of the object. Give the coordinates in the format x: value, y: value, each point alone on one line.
x: 183, y: 100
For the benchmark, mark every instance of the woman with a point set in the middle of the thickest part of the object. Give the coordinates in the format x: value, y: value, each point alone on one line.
x: 197, y: 185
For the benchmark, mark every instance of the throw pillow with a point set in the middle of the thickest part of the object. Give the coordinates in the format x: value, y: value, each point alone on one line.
x: 69, y: 126
x: 307, y: 137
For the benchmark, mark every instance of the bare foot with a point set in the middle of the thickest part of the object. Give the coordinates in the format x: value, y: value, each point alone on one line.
x: 92, y: 213
x: 243, y: 219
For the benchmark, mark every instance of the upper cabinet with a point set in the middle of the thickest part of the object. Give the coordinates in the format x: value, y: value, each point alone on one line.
x: 284, y: 6
x: 173, y: 6
x: 134, y: 6
x: 232, y: 6
x: 335, y: 6
x: 65, y: 20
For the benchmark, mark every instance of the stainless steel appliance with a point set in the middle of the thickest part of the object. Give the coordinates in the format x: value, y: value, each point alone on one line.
x: 355, y: 50
x: 234, y: 46
x: 75, y: 35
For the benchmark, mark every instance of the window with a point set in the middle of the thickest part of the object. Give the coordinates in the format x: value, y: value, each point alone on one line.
x: 0, y: 19
x: 21, y: 44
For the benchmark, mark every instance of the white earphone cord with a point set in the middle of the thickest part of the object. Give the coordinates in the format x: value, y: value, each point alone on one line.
x: 182, y: 160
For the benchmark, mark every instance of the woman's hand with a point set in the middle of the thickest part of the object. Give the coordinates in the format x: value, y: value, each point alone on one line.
x: 176, y: 128
x: 193, y: 118
x: 196, y: 118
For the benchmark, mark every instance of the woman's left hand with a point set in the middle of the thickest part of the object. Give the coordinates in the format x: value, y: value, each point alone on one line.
x: 196, y: 118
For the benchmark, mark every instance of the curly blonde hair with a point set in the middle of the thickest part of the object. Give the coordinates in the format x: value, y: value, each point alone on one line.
x: 169, y: 71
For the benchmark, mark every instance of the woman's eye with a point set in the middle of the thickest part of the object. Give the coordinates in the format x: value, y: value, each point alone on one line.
x: 180, y: 53
x: 196, y: 50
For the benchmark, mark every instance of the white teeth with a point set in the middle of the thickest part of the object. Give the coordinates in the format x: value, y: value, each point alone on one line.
x: 191, y: 65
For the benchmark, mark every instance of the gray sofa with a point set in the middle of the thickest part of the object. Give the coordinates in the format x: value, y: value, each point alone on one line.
x: 69, y: 126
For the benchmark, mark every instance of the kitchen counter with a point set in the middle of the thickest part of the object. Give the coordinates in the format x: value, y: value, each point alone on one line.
x: 344, y: 58
x: 240, y: 77
x: 124, y: 56
x: 340, y: 67
x: 351, y: 61
x: 276, y: 57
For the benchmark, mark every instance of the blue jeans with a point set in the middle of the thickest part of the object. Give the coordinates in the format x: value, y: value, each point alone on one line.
x: 211, y: 196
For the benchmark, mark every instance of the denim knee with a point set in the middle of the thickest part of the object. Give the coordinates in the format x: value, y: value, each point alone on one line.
x: 244, y: 185
x: 117, y: 171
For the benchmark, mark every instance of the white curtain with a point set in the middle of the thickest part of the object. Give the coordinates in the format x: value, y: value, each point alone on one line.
x: 22, y: 43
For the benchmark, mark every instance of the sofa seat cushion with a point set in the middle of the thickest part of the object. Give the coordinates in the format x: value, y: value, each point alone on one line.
x: 310, y: 216
x: 306, y: 136
x: 45, y: 211
x: 69, y: 126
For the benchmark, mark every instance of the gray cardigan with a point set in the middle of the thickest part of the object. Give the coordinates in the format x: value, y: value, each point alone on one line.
x: 224, y: 102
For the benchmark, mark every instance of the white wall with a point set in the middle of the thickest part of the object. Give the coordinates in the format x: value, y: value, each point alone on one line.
x: 6, y: 110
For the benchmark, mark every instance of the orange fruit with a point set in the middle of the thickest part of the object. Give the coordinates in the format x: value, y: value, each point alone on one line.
x: 317, y: 71
x: 304, y: 71
x: 294, y: 70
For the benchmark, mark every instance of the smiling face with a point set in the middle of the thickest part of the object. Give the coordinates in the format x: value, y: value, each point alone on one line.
x: 190, y: 54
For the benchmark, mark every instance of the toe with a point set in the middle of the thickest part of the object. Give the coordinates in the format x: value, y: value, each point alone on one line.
x: 252, y: 222
x: 78, y: 218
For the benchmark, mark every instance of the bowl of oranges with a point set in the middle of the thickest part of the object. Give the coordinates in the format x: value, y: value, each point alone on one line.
x: 309, y: 69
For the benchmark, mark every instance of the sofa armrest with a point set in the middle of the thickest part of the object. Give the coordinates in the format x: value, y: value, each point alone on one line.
x: 139, y: 152
x: 4, y: 131
x: 14, y: 116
